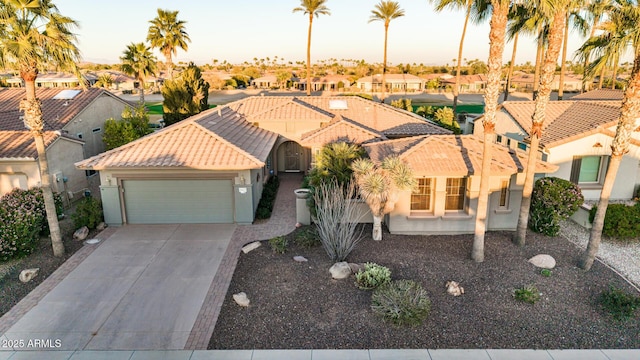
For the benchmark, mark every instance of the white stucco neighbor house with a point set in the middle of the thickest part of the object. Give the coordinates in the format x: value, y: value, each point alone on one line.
x: 576, y: 137
x: 212, y: 166
x: 74, y: 121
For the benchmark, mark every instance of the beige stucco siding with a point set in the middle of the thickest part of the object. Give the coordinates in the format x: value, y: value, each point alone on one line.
x: 24, y: 174
x: 62, y: 155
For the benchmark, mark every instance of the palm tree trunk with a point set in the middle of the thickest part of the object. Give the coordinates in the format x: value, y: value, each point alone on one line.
x: 492, y: 94
x: 564, y: 58
x: 167, y: 55
x: 511, y: 65
x: 377, y: 228
x: 536, y: 73
x: 546, y: 78
x: 384, y: 65
x: 309, y: 55
x: 141, y: 90
x: 620, y: 146
x: 456, y: 88
x: 586, y: 60
x: 615, y: 73
x: 602, y: 73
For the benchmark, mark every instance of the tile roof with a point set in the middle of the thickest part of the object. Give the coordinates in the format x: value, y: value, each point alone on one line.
x: 600, y: 94
x: 566, y: 120
x: 452, y: 155
x: 340, y: 129
x: 380, y: 117
x: 216, y: 139
x: 56, y: 112
x: 19, y: 145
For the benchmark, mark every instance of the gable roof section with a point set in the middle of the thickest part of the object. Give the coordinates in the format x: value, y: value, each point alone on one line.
x: 566, y: 120
x: 600, y: 94
x: 56, y: 112
x: 19, y: 145
x: 341, y: 129
x: 452, y: 155
x: 207, y: 141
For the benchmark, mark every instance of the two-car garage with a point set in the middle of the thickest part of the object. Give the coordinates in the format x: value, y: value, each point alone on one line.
x: 178, y: 201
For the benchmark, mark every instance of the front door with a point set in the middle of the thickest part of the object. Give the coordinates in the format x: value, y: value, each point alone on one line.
x: 292, y: 153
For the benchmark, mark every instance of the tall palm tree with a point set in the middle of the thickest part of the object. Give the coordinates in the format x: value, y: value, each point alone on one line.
x: 380, y: 186
x: 139, y: 62
x: 574, y: 16
x: 33, y: 34
x: 628, y: 36
x: 311, y: 8
x: 385, y: 11
x: 595, y: 11
x: 499, y: 19
x: 476, y: 15
x: 167, y: 34
x: 556, y: 11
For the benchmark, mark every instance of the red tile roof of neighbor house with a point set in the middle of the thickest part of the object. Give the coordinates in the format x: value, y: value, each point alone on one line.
x: 566, y: 120
x: 452, y: 155
x: 20, y: 145
x: 217, y: 139
x: 340, y: 130
x: 56, y: 113
x: 600, y: 94
x: 370, y: 114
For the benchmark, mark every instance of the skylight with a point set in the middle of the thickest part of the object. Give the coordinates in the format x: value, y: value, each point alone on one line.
x: 67, y: 94
x: 338, y: 105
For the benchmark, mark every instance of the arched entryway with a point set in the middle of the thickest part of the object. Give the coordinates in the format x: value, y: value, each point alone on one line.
x: 292, y: 157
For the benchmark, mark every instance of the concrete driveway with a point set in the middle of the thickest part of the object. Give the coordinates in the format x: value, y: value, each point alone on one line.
x: 142, y: 288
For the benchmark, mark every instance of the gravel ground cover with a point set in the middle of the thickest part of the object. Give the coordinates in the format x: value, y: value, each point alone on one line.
x: 297, y: 305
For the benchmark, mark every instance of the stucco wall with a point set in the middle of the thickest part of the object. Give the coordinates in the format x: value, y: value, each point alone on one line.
x: 23, y: 174
x: 62, y: 155
x: 92, y: 117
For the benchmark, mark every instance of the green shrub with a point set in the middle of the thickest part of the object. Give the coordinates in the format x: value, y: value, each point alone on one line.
x: 23, y: 219
x: 279, y: 244
x: 619, y: 304
x: 620, y: 221
x: 401, y: 302
x: 269, y: 192
x: 372, y: 276
x: 404, y: 104
x: 528, y: 294
x: 88, y: 213
x: 307, y: 237
x: 546, y: 272
x: 553, y: 199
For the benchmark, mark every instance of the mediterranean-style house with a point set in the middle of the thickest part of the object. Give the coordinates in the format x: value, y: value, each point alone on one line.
x: 74, y: 121
x: 55, y: 80
x: 394, y: 82
x: 576, y: 137
x: 211, y: 167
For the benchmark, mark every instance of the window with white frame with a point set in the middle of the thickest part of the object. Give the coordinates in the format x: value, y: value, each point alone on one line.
x: 422, y: 196
x: 588, y: 169
x: 456, y: 192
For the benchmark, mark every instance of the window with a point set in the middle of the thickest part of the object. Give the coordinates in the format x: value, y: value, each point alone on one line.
x: 522, y: 146
x: 588, y: 169
x: 421, y: 197
x: 79, y: 135
x: 504, y: 194
x: 499, y: 139
x: 455, y: 194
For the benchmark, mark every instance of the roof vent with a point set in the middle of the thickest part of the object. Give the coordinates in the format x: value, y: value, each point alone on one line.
x: 338, y: 105
x: 67, y: 94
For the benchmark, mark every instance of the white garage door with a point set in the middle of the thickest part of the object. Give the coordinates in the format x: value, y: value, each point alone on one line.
x: 178, y: 201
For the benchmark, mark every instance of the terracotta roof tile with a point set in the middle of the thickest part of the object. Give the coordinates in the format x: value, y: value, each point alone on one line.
x: 600, y: 94
x: 452, y: 155
x: 20, y: 144
x: 341, y: 129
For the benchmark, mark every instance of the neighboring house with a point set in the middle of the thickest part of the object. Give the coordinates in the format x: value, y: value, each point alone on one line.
x: 524, y: 82
x: 325, y: 83
x: 265, y: 82
x: 212, y: 166
x: 576, y: 137
x: 394, y: 82
x: 468, y: 83
x: 55, y: 80
x: 121, y: 81
x: 74, y: 121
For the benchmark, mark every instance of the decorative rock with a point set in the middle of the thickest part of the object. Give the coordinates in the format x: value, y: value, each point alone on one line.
x: 298, y: 225
x: 356, y: 267
x: 81, y: 233
x: 241, y: 299
x: 101, y: 226
x: 300, y: 259
x: 28, y: 274
x: 340, y: 270
x: 252, y: 246
x: 454, y: 288
x: 543, y: 261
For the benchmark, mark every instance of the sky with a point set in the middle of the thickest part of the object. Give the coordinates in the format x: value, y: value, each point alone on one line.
x: 240, y: 30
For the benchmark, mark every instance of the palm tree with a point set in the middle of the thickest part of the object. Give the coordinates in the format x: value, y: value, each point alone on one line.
x: 477, y: 16
x: 385, y: 11
x: 596, y: 10
x: 317, y: 8
x: 380, y: 186
x: 574, y: 17
x: 105, y: 80
x: 556, y: 11
x: 167, y: 34
x: 34, y: 34
x: 139, y: 62
x: 628, y: 36
x: 499, y: 13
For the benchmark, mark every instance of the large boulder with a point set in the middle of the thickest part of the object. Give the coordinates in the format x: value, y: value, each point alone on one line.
x: 81, y: 233
x: 340, y: 270
x: 543, y: 261
x: 252, y: 246
x: 28, y: 274
x: 300, y: 258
